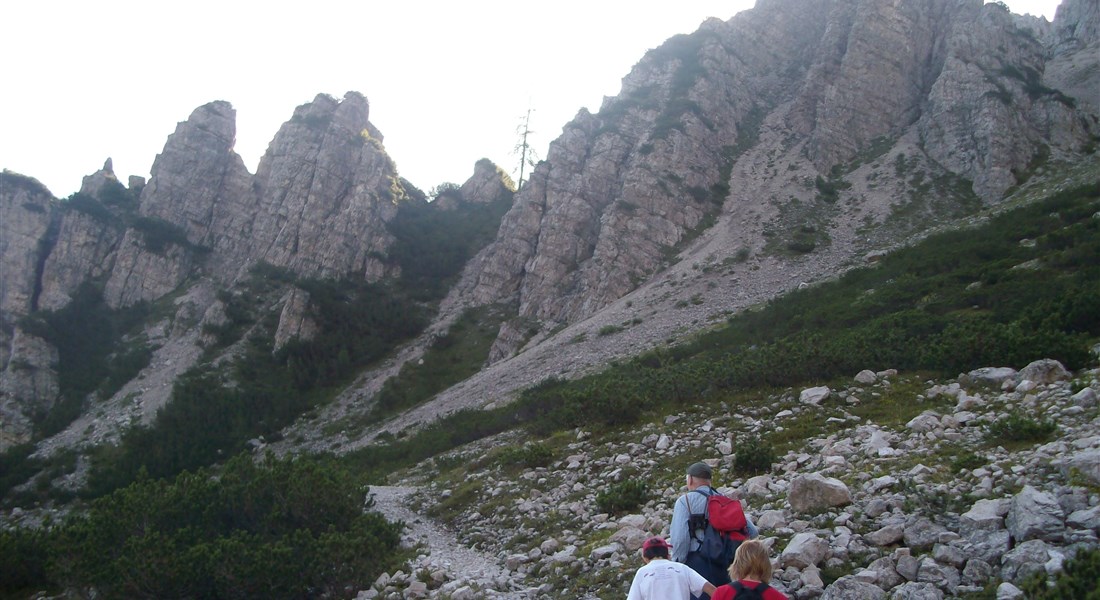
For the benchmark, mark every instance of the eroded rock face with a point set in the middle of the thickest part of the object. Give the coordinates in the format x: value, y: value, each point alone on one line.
x: 83, y: 249
x: 95, y: 183
x: 295, y: 322
x: 142, y: 273
x: 326, y: 189
x: 201, y: 185
x: 26, y: 218
x: 488, y: 184
x: 28, y: 386
x: 1074, y: 67
x: 317, y: 205
x: 25, y: 207
x: 828, y: 84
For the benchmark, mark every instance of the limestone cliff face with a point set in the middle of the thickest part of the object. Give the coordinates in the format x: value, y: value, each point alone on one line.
x: 1076, y: 44
x: 83, y: 250
x: 28, y: 386
x: 295, y: 322
x: 828, y: 84
x: 47, y: 249
x: 142, y: 274
x: 26, y: 216
x: 488, y: 184
x: 25, y: 211
x: 200, y: 184
x: 326, y: 188
x: 988, y: 116
x: 318, y: 206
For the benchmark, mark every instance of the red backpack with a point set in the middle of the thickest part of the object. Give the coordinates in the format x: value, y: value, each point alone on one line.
x: 727, y: 516
x: 719, y: 529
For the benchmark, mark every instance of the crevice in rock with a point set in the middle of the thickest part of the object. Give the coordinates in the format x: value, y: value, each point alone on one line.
x: 46, y: 245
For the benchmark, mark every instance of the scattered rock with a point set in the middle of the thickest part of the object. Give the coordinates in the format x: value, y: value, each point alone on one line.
x: 815, y: 491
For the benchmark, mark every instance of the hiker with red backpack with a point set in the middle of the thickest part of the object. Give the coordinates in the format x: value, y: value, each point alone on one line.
x: 751, y: 571
x: 707, y: 527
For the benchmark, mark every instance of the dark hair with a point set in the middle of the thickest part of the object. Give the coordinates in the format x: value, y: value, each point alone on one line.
x: 655, y: 552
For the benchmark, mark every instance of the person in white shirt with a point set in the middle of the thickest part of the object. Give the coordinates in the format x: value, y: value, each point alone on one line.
x: 663, y: 579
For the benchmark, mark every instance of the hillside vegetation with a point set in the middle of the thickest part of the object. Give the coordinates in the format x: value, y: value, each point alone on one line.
x: 1022, y: 286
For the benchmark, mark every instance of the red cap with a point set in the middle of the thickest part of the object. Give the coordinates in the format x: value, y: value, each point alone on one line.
x: 655, y: 542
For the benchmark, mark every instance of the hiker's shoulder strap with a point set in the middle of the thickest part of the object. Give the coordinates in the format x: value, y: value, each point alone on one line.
x: 706, y: 494
x: 758, y: 590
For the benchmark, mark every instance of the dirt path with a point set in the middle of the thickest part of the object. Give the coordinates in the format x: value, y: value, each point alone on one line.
x: 463, y: 567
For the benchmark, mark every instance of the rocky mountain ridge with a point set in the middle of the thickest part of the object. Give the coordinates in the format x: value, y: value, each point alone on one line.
x: 318, y: 206
x: 739, y: 161
x: 829, y: 83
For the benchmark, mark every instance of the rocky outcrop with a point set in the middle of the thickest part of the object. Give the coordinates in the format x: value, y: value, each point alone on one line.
x: 94, y: 184
x: 488, y: 184
x: 26, y: 217
x: 25, y: 211
x: 201, y: 185
x: 295, y: 322
x: 822, y: 87
x: 83, y: 250
x: 28, y: 386
x: 326, y: 189
x: 142, y: 274
x: 1076, y: 25
x: 317, y: 205
x: 989, y: 117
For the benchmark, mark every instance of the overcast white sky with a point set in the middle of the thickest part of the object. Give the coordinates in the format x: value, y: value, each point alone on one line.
x: 448, y: 81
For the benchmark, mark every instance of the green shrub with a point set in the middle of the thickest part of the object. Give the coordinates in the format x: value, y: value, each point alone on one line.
x: 1016, y: 428
x: 214, y: 411
x: 114, y: 194
x: 17, y: 466
x: 619, y: 498
x: 157, y: 234
x: 1077, y: 581
x: 278, y: 529
x: 452, y: 357
x: 83, y: 203
x: 431, y: 245
x: 754, y: 456
x: 24, y: 554
x: 528, y: 455
x: 967, y: 460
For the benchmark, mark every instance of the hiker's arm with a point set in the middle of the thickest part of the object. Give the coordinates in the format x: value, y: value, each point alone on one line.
x: 708, y: 588
x: 678, y: 531
x: 751, y: 529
